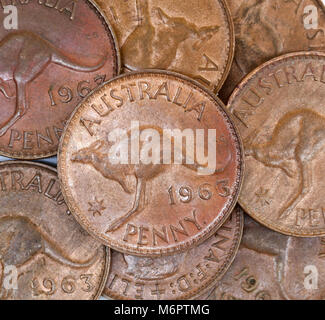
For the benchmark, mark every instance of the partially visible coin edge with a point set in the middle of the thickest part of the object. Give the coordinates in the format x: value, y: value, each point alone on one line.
x: 250, y: 76
x: 21, y: 155
x: 208, y: 288
x: 107, y: 251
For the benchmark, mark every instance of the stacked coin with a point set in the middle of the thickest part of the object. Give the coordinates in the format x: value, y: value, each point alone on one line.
x: 151, y: 161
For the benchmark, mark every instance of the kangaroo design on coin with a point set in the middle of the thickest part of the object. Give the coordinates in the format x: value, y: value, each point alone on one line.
x: 297, y: 139
x: 33, y: 54
x: 273, y: 266
x: 48, y: 65
x: 44, y: 254
x: 250, y: 17
x: 265, y: 29
x: 14, y: 229
x: 97, y: 156
x: 146, y: 48
x: 20, y: 234
x: 278, y: 109
x: 150, y: 163
x: 190, y: 37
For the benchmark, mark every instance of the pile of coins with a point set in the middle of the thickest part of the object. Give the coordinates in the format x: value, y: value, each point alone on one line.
x: 164, y: 114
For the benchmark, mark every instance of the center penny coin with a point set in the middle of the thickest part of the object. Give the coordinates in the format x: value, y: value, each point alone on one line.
x: 151, y: 163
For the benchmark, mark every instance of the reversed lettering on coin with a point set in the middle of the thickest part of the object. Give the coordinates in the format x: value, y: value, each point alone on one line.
x: 179, y: 276
x: 270, y: 265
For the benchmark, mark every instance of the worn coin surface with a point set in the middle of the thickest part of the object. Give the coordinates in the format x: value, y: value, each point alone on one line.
x: 273, y: 266
x: 151, y: 163
x: 44, y: 253
x: 195, y: 38
x: 59, y: 51
x: 186, y: 275
x: 279, y: 110
x: 266, y: 29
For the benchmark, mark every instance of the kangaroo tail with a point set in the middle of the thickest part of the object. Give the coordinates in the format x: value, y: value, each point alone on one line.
x: 53, y: 254
x: 60, y: 59
x: 205, y: 170
x: 218, y: 166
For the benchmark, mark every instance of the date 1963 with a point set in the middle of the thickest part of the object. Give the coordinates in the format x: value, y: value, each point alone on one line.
x: 68, y: 285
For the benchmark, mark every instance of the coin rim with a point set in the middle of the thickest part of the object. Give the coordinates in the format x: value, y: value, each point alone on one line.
x: 231, y: 53
x: 193, y: 241
x: 21, y: 155
x: 249, y: 77
x: 107, y: 252
x: 202, y: 290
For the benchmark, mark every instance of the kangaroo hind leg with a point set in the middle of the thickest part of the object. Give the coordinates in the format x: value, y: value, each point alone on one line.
x: 30, y: 65
x: 58, y: 257
x: 21, y: 107
x: 139, y: 198
x: 305, y: 184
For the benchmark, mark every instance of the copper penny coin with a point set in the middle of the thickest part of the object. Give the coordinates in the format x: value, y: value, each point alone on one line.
x: 44, y: 253
x: 273, y: 266
x: 266, y: 29
x: 186, y: 275
x: 195, y: 38
x: 60, y: 51
x: 132, y: 169
x: 279, y: 111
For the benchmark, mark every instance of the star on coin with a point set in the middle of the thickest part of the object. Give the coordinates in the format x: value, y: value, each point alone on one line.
x: 260, y: 194
x: 96, y: 207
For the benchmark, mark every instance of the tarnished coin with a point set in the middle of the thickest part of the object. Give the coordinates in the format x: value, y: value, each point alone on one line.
x: 57, y: 52
x: 195, y: 38
x: 44, y: 253
x: 187, y: 275
x: 279, y: 109
x: 151, y: 163
x: 266, y: 29
x: 273, y: 266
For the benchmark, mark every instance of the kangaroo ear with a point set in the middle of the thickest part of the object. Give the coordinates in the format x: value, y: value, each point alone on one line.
x: 163, y: 17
